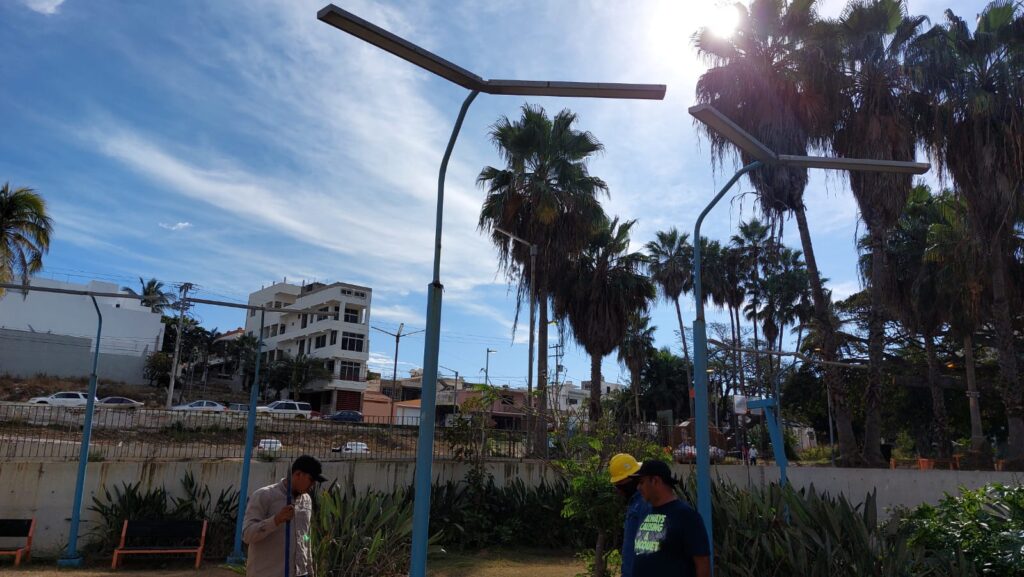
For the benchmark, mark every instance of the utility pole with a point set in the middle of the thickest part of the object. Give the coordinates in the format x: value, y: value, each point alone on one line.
x: 182, y: 305
x: 394, y: 374
x: 487, y: 366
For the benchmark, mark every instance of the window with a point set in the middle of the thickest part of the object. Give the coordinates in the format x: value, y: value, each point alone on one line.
x: 574, y: 401
x: 352, y: 341
x: 277, y: 304
x: 361, y: 294
x: 350, y: 371
x: 330, y: 367
x: 321, y: 341
x: 322, y: 317
x: 346, y: 292
x: 334, y: 338
x: 249, y: 333
x: 273, y: 331
x: 282, y: 329
x: 302, y: 347
x: 304, y: 318
x: 351, y: 315
x: 252, y: 312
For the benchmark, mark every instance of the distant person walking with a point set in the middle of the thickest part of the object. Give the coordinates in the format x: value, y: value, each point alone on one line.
x: 753, y: 455
x: 620, y: 468
x: 267, y: 515
x: 671, y: 540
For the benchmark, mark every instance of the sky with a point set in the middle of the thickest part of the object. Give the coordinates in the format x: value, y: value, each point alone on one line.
x: 232, y: 148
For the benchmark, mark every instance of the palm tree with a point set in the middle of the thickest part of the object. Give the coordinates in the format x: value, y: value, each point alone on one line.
x: 546, y: 196
x: 732, y: 271
x: 601, y: 289
x: 977, y: 123
x: 670, y: 265
x: 759, y: 80
x: 25, y: 231
x: 634, y: 352
x: 153, y: 295
x: 874, y: 118
x: 751, y: 242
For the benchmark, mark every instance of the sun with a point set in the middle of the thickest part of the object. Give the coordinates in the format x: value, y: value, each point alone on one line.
x: 723, y: 19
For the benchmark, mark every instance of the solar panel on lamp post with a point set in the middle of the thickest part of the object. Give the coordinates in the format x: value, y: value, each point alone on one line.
x: 762, y: 155
x: 377, y: 36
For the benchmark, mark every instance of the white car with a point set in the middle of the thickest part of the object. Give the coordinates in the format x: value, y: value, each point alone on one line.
x: 688, y: 454
x: 269, y: 445
x: 354, y: 447
x: 210, y: 406
x: 62, y: 399
x: 118, y: 403
x: 295, y: 409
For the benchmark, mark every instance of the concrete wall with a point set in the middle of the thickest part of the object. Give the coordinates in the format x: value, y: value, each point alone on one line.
x: 46, y: 490
x: 24, y: 354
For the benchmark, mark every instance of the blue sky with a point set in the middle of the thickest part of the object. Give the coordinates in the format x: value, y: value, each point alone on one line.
x: 230, y: 144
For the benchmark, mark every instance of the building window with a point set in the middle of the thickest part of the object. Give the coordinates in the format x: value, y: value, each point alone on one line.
x: 321, y: 341
x: 360, y: 294
x: 350, y: 371
x: 330, y: 367
x: 352, y: 341
x: 346, y: 292
x: 574, y: 401
x: 302, y: 347
x: 322, y: 317
x: 273, y: 330
x: 252, y: 312
x: 351, y: 315
x: 304, y: 318
x: 334, y: 338
x: 249, y: 333
x: 282, y: 329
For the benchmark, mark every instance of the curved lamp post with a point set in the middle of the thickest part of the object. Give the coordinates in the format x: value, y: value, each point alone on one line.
x: 372, y: 34
x: 762, y: 155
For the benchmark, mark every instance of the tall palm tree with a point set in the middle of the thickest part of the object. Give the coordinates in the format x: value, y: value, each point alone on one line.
x: 874, y: 118
x: 634, y: 352
x: 759, y: 80
x: 734, y: 294
x: 153, y: 294
x: 751, y: 242
x: 977, y: 136
x: 25, y: 230
x: 545, y: 195
x: 670, y: 264
x: 601, y: 289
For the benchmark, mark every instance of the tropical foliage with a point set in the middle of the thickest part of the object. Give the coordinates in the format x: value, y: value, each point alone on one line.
x: 25, y: 229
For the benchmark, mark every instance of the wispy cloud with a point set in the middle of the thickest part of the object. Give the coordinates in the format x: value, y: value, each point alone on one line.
x: 43, y: 6
x: 176, y: 226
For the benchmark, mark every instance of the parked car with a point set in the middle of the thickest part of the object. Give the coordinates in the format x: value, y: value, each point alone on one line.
x: 347, y: 417
x: 688, y: 454
x: 269, y: 445
x: 241, y: 407
x: 353, y: 447
x: 118, y: 403
x: 209, y: 406
x: 62, y: 399
x: 295, y: 409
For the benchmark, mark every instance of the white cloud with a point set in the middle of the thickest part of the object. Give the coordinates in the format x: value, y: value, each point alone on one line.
x: 176, y: 226
x: 43, y: 6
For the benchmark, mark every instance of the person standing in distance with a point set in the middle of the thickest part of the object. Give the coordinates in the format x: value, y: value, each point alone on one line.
x: 620, y: 468
x: 671, y: 540
x: 266, y: 517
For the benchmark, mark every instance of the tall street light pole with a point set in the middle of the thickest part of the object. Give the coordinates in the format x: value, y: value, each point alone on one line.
x: 394, y: 373
x: 368, y: 32
x: 533, y: 308
x: 761, y: 155
x: 487, y: 367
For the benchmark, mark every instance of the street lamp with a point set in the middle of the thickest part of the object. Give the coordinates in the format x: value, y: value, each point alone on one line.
x: 372, y: 34
x: 762, y: 155
x: 487, y: 366
x: 533, y: 308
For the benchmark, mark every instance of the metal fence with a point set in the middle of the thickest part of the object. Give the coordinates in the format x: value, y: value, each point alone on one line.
x: 55, y: 433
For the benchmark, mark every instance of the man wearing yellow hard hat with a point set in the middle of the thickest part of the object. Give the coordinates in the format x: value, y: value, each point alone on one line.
x: 620, y: 468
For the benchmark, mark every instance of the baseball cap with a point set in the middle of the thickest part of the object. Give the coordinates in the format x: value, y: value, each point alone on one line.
x: 655, y: 468
x: 309, y: 464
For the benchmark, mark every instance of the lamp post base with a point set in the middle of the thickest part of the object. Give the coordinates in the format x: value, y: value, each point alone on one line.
x: 75, y: 561
x: 236, y: 559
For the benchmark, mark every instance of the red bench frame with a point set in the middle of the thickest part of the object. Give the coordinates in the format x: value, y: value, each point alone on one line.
x: 22, y: 553
x: 120, y: 552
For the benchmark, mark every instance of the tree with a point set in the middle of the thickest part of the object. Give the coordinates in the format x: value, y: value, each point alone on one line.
x: 546, y: 196
x: 752, y: 245
x: 598, y: 293
x: 670, y: 265
x: 294, y: 373
x: 976, y: 133
x: 25, y: 230
x: 759, y: 80
x: 874, y: 118
x: 153, y: 295
x: 662, y: 384
x: 634, y: 351
x: 158, y: 369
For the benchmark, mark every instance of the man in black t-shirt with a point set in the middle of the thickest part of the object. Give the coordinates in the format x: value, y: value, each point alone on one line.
x: 671, y: 541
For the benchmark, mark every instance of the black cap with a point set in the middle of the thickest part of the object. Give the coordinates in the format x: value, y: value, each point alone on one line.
x: 309, y: 464
x: 655, y: 468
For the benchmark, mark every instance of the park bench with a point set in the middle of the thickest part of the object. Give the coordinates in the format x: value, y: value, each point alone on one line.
x: 160, y: 538
x: 18, y: 528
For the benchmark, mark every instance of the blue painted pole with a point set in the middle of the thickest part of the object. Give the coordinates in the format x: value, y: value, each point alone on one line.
x: 700, y: 359
x: 237, y: 557
x: 425, y: 441
x: 71, y: 557
x: 773, y: 419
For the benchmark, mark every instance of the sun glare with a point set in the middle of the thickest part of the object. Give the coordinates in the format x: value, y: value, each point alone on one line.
x: 723, y: 19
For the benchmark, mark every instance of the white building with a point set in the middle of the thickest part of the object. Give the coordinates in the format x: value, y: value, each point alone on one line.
x: 343, y: 344
x: 55, y: 333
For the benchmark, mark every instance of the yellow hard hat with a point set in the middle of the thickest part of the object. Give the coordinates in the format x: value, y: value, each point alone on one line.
x: 622, y: 466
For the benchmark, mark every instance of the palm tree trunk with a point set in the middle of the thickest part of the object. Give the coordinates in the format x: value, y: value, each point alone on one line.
x: 848, y: 454
x: 739, y: 354
x: 636, y: 394
x: 600, y: 566
x: 595, y: 388
x: 876, y: 346
x: 978, y: 442
x: 1009, y: 378
x: 686, y: 354
x: 940, y: 422
x: 542, y: 366
x: 735, y: 353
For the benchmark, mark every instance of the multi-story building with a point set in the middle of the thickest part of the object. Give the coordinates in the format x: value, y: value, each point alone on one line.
x: 340, y: 336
